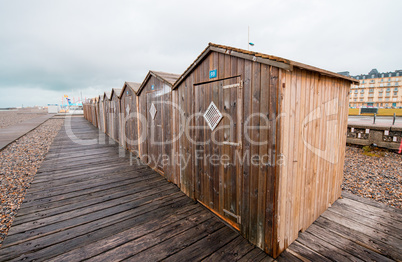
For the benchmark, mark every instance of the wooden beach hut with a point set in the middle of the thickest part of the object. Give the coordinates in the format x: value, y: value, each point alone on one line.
x: 115, y: 114
x: 92, y: 111
x: 101, y: 116
x: 155, y: 109
x: 95, y: 112
x: 277, y: 132
x: 107, y: 113
x: 129, y: 116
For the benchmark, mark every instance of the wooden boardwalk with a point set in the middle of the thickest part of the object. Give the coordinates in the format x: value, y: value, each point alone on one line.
x: 88, y: 203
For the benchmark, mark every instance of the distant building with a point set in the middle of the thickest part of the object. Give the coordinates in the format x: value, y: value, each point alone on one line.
x: 383, y: 90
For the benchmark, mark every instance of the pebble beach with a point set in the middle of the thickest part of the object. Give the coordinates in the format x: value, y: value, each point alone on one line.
x: 19, y: 163
x: 376, y: 175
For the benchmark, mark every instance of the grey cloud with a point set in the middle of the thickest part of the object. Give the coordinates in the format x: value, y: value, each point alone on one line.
x: 57, y: 47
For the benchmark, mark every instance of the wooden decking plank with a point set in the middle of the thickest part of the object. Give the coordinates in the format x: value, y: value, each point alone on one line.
x: 66, y: 215
x: 37, y: 215
x: 134, y: 233
x: 253, y: 255
x: 346, y: 245
x: 371, y: 220
x: 89, y: 202
x: 82, y: 192
x: 304, y: 253
x: 109, y: 169
x: 80, y: 186
x: 233, y: 251
x: 371, y: 202
x: 388, y: 217
x: 392, y: 242
x: 71, y: 238
x: 151, y: 241
x: 125, y: 185
x: 178, y: 242
x: 325, y: 249
x: 84, y: 239
x: 205, y: 246
x: 59, y: 182
x: 359, y: 238
x: 81, y: 220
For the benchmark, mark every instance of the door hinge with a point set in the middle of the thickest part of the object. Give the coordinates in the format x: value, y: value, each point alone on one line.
x: 231, y: 143
x: 238, y: 218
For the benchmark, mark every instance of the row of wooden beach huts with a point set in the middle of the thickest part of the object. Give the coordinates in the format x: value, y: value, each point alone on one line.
x: 257, y: 139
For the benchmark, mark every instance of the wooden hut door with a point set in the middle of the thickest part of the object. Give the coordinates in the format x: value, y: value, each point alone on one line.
x: 155, y: 130
x: 218, y: 169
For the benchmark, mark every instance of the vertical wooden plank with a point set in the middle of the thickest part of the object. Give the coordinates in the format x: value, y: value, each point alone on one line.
x: 220, y: 132
x: 297, y: 157
x: 254, y: 135
x: 291, y: 175
x: 306, y: 78
x: 263, y: 151
x: 214, y: 148
x: 283, y: 200
x: 233, y: 137
x: 277, y: 228
x: 271, y: 152
x: 240, y: 128
x: 247, y: 103
x: 232, y: 153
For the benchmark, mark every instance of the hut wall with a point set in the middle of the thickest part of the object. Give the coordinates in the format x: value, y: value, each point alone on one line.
x: 108, y: 118
x: 237, y: 191
x: 95, y: 113
x: 101, y: 115
x: 85, y: 109
x: 155, y: 149
x: 313, y: 129
x: 272, y: 199
x: 114, y: 116
x: 98, y: 114
x: 129, y: 120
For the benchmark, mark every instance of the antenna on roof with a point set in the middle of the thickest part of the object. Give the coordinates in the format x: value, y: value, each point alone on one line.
x: 248, y: 40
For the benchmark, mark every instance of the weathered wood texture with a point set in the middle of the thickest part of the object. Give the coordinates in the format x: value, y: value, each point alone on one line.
x: 157, y: 130
x: 114, y: 114
x: 101, y: 116
x: 295, y: 121
x: 107, y: 113
x: 88, y: 202
x: 129, y: 120
x: 313, y: 129
x: 273, y: 164
x: 245, y: 190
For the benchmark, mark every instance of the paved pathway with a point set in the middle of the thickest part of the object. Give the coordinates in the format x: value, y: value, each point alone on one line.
x: 11, y: 133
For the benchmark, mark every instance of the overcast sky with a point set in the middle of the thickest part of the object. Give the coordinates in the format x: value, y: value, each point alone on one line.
x: 51, y: 48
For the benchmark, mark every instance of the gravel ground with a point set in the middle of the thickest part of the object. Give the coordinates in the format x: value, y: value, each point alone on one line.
x: 10, y: 118
x: 19, y: 162
x: 375, y: 174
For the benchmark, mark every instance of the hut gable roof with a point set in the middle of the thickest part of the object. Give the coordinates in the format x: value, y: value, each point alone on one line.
x: 256, y: 57
x: 132, y: 85
x: 116, y: 92
x: 168, y: 78
x: 107, y: 95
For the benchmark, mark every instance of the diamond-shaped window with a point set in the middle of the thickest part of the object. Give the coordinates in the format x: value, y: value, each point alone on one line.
x: 152, y: 111
x: 212, y: 116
